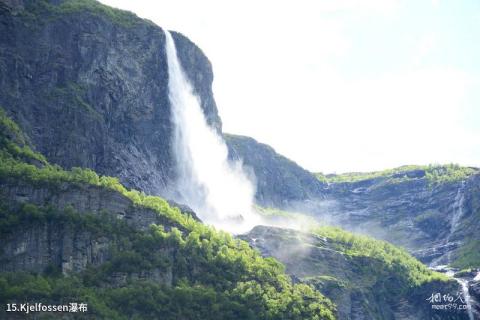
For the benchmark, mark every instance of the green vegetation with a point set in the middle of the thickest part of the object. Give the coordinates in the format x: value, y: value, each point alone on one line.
x: 428, y: 221
x: 273, y: 212
x: 13, y: 142
x: 9, y: 130
x: 46, y: 10
x: 435, y: 174
x: 383, y: 260
x: 327, y: 282
x: 147, y: 300
x: 52, y: 176
x: 72, y: 96
x: 232, y: 281
x: 425, y: 217
x: 351, y: 177
x: 468, y: 256
x: 213, y: 276
x: 393, y: 260
x: 465, y: 273
x: 448, y: 173
x: 269, y: 212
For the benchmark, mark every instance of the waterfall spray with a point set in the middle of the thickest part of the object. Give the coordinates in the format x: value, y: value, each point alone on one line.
x: 457, y: 214
x: 216, y: 189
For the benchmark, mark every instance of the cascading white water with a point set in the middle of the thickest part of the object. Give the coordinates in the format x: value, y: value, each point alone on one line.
x: 216, y: 189
x: 457, y: 214
x: 466, y: 295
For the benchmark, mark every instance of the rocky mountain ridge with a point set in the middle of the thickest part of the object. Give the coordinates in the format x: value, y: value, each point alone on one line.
x: 104, y: 72
x: 432, y: 211
x: 359, y: 283
x: 74, y: 235
x: 88, y: 87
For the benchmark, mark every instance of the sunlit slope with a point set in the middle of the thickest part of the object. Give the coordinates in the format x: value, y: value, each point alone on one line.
x: 432, y: 211
x: 363, y: 276
x: 86, y: 238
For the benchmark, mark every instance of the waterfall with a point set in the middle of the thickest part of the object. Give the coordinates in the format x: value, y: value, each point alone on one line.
x: 457, y: 208
x: 466, y: 295
x: 457, y: 214
x: 218, y: 190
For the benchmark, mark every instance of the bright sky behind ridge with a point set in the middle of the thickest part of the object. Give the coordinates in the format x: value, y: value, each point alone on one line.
x: 341, y: 85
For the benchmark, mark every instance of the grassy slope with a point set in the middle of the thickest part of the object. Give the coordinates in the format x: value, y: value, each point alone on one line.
x: 433, y: 173
x: 43, y: 8
x: 235, y: 283
x: 393, y: 259
x: 468, y: 255
x: 375, y: 272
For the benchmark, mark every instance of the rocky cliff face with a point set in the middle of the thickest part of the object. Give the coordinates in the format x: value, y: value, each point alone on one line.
x: 73, y: 234
x: 38, y: 246
x: 356, y: 284
x: 88, y: 85
x: 104, y: 73
x: 280, y: 181
x: 434, y: 221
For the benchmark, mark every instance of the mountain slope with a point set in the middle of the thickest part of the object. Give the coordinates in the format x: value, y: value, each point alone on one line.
x: 103, y: 72
x: 280, y: 181
x: 366, y: 278
x: 74, y: 236
x: 430, y: 210
x: 87, y: 85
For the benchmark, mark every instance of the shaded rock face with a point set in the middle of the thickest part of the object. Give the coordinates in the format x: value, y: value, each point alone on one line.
x: 66, y: 247
x: 53, y: 245
x: 474, y: 290
x: 280, y: 181
x: 406, y: 211
x: 92, y: 92
x: 83, y: 199
x: 313, y: 259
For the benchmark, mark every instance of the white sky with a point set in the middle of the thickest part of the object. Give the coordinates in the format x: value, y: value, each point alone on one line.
x: 344, y: 85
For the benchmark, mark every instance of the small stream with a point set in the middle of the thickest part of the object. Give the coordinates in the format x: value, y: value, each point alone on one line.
x: 466, y: 295
x: 457, y: 213
x: 464, y: 280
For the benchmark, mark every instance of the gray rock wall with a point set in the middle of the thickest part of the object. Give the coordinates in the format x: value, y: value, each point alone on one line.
x: 92, y: 92
x: 68, y: 247
x: 280, y: 181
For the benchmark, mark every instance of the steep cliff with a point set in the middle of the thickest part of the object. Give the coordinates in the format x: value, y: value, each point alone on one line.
x: 432, y: 211
x: 88, y: 85
x: 77, y: 235
x: 280, y: 181
x: 366, y: 279
x: 74, y: 236
x: 104, y: 73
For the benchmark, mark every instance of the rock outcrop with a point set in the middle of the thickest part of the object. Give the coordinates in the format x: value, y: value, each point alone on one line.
x: 38, y: 246
x: 356, y: 284
x: 88, y: 86
x: 280, y: 181
x: 409, y: 210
